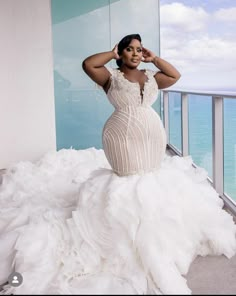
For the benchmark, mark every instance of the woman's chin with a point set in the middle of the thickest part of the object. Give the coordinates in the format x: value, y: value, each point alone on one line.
x: 133, y: 65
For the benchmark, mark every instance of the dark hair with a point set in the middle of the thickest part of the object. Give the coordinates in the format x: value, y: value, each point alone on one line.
x: 124, y: 42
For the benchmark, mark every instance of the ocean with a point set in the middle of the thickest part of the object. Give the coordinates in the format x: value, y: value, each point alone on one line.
x: 200, y: 134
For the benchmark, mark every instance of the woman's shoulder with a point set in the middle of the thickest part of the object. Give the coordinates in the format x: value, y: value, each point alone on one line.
x: 112, y: 71
x: 150, y: 72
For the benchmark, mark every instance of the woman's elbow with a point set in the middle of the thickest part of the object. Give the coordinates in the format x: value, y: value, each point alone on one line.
x: 177, y: 76
x: 85, y: 65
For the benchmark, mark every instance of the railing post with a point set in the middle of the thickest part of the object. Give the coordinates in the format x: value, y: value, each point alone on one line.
x: 184, y: 121
x: 217, y: 144
x: 217, y: 136
x: 166, y: 113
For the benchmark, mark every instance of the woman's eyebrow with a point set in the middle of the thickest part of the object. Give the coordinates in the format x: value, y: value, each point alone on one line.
x: 133, y: 46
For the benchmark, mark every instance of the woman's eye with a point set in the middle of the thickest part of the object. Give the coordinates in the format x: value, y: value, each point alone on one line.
x: 130, y: 49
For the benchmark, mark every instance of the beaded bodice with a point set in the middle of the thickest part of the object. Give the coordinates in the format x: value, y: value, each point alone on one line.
x: 134, y: 139
x: 124, y: 93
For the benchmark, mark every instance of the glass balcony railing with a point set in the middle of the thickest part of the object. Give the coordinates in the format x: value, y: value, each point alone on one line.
x: 230, y: 146
x: 203, y: 125
x: 175, y: 130
x: 200, y: 130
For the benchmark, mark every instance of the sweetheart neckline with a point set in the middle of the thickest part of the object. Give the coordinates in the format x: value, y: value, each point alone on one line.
x: 137, y: 83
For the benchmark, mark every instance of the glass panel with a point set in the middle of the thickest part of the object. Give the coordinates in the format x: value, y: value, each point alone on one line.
x: 134, y: 15
x: 175, y: 125
x: 200, y: 131
x: 230, y: 147
x: 81, y: 28
x: 162, y: 106
x: 81, y: 108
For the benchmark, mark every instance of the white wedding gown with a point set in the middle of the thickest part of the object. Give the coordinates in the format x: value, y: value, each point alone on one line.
x: 81, y: 222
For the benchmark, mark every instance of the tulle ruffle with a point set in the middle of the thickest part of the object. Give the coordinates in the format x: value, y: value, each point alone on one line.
x: 70, y: 225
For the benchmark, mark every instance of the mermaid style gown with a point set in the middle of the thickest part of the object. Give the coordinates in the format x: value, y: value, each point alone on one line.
x: 134, y: 138
x: 127, y: 221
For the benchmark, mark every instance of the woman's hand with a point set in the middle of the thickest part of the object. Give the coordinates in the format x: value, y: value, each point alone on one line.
x: 148, y: 55
x: 115, y: 50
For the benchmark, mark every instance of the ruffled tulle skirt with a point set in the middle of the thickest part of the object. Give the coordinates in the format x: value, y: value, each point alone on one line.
x: 69, y: 224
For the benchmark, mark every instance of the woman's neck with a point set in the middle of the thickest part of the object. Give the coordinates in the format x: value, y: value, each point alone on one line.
x: 127, y: 70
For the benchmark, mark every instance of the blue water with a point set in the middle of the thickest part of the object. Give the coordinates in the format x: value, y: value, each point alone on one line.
x: 200, y: 134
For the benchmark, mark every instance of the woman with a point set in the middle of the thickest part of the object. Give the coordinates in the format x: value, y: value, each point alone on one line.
x: 134, y: 139
x: 130, y: 226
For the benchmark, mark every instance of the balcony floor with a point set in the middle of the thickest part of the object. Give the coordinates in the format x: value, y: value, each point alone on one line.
x: 212, y: 275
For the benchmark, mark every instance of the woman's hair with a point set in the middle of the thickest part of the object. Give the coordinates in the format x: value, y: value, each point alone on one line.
x: 124, y: 42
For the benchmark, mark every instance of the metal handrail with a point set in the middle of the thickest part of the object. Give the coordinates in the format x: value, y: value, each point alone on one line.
x: 217, y: 137
x: 229, y: 94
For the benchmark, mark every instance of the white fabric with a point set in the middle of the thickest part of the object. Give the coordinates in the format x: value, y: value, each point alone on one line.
x: 134, y: 139
x: 70, y: 225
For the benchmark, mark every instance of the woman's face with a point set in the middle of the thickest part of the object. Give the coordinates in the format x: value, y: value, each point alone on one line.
x: 132, y: 54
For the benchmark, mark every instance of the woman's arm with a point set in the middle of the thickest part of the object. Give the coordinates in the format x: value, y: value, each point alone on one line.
x: 94, y: 66
x: 168, y: 74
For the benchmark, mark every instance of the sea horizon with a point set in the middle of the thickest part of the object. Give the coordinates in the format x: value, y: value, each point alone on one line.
x: 208, y: 90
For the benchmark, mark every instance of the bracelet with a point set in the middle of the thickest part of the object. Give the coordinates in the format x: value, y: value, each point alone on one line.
x: 155, y: 58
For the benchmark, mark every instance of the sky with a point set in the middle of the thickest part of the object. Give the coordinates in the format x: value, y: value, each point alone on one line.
x: 199, y: 38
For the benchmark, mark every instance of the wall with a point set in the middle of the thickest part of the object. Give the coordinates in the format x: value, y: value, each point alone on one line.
x: 27, y: 113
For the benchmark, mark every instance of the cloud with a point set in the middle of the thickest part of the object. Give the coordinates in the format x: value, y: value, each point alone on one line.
x: 213, y: 59
x: 215, y: 51
x: 226, y: 14
x: 204, y: 53
x: 183, y: 17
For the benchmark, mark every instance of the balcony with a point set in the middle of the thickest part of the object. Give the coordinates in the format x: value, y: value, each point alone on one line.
x: 177, y: 109
x: 200, y: 124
